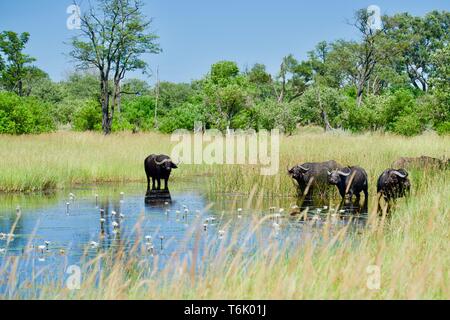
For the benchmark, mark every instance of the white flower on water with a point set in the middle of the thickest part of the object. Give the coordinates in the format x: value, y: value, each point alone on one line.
x: 276, y: 226
x: 148, y: 239
x: 102, y: 220
x: 122, y: 216
x: 94, y: 244
x: 42, y: 248
x: 325, y: 207
x: 281, y: 210
x: 113, y: 213
x: 239, y: 210
x: 2, y: 250
x: 2, y: 236
x: 115, y: 224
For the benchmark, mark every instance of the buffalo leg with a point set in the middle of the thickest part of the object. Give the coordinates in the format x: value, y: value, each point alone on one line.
x: 166, y: 184
x: 158, y: 184
x: 153, y: 183
x: 148, y: 184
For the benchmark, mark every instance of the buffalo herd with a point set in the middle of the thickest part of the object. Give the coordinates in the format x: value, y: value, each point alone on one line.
x: 350, y: 181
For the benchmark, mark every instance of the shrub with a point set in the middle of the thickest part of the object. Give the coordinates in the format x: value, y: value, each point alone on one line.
x: 408, y: 125
x: 271, y: 114
x: 24, y: 115
x: 65, y: 111
x: 443, y: 128
x: 182, y: 117
x: 88, y: 117
x: 363, y: 118
x: 136, y: 114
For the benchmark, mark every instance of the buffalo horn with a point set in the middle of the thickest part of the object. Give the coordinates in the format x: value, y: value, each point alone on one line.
x: 401, y: 175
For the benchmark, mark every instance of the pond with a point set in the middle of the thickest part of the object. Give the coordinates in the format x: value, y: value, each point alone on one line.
x: 50, y: 232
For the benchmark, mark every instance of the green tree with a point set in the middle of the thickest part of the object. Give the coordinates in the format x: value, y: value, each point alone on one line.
x: 16, y: 69
x: 225, y: 94
x: 113, y: 38
x: 417, y: 39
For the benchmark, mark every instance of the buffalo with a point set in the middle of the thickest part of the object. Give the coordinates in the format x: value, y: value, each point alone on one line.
x: 393, y: 184
x: 350, y: 181
x: 312, y: 174
x: 421, y: 162
x: 158, y: 167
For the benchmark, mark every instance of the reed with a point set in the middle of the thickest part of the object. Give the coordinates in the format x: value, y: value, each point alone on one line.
x: 410, y: 246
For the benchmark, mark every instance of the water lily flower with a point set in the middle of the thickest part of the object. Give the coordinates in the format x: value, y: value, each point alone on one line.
x: 94, y: 244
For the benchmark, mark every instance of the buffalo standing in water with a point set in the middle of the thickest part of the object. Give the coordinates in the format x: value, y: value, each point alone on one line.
x: 350, y: 181
x: 158, y: 167
x: 311, y: 175
x: 393, y: 184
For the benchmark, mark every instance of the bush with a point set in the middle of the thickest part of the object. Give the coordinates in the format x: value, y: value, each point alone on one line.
x: 65, y: 111
x: 24, y: 115
x: 308, y: 108
x: 136, y: 114
x: 363, y: 118
x: 182, y: 117
x: 88, y: 117
x: 408, y: 125
x: 443, y: 128
x: 271, y: 115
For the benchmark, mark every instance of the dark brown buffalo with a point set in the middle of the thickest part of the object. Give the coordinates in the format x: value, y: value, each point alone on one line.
x: 312, y: 175
x: 158, y: 167
x: 393, y: 184
x: 350, y: 181
x: 420, y: 162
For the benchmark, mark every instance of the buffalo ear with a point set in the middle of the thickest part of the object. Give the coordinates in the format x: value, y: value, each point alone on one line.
x: 329, y: 173
x: 173, y: 165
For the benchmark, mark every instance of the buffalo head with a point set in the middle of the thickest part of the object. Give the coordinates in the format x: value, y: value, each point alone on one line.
x: 298, y: 172
x: 166, y: 164
x: 335, y: 177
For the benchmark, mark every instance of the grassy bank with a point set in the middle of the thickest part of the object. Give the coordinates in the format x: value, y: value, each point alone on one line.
x: 50, y: 161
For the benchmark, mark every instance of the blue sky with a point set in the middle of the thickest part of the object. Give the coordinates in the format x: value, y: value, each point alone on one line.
x: 196, y: 33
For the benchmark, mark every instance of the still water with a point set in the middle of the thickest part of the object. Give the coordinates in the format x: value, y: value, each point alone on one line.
x: 50, y: 232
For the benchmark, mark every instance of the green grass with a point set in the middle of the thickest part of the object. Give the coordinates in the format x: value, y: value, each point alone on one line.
x: 410, y: 246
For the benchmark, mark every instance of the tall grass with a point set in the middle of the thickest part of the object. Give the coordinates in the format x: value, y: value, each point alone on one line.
x: 50, y: 161
x: 410, y: 246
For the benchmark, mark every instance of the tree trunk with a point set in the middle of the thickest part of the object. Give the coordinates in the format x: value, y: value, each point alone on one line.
x: 359, y: 94
x: 323, y: 113
x: 106, y: 119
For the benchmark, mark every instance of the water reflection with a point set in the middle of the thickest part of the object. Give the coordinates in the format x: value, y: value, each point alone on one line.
x: 63, y: 229
x: 158, y: 198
